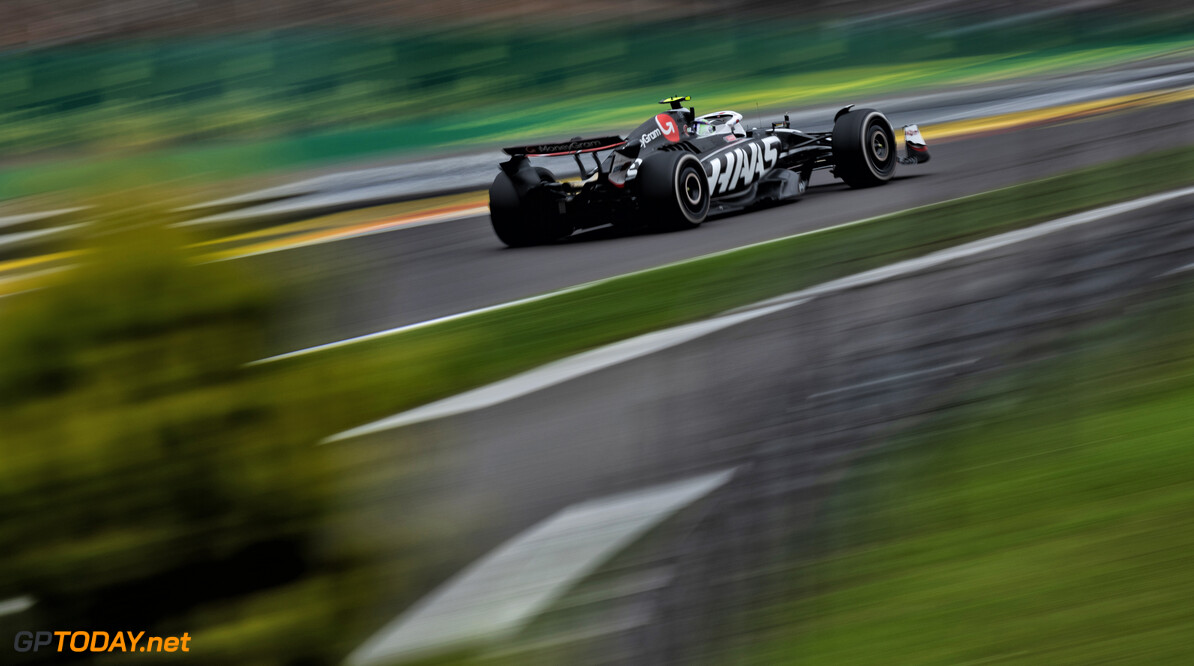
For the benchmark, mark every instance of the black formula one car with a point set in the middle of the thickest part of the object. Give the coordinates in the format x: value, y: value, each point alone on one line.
x: 676, y: 169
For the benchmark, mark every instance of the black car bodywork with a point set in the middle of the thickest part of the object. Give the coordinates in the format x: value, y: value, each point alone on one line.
x: 676, y: 169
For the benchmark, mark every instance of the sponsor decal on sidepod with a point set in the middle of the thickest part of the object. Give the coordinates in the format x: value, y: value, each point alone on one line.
x: 738, y: 168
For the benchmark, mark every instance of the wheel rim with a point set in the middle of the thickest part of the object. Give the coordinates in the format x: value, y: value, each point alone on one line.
x: 690, y: 192
x: 693, y: 190
x: 880, y: 150
x: 687, y: 203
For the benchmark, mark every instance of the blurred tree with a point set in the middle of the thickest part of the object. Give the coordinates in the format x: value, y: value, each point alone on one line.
x: 145, y: 471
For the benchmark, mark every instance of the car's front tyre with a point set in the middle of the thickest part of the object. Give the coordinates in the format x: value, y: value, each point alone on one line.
x: 864, y: 148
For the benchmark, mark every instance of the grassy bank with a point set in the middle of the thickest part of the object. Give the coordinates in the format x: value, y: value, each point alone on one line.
x: 415, y: 367
x: 1045, y: 522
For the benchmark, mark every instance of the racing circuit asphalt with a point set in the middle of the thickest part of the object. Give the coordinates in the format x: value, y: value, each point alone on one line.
x: 788, y: 401
x: 362, y: 285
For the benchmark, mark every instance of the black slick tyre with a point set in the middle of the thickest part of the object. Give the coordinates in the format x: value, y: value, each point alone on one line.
x: 520, y: 221
x: 864, y: 148
x: 673, y: 191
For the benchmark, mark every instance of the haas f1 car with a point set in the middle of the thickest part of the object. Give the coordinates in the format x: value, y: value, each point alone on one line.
x: 676, y: 169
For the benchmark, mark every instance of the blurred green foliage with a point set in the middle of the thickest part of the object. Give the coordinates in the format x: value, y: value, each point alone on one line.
x: 132, y: 446
x: 151, y: 482
x: 137, y: 318
x: 282, y: 80
x: 310, y: 95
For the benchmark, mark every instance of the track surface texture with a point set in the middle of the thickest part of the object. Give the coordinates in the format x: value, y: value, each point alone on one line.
x: 790, y: 400
x: 366, y: 284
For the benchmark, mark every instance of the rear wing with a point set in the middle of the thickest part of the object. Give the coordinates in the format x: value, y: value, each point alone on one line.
x: 572, y: 147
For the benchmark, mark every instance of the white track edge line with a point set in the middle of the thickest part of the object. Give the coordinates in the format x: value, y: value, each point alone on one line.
x: 571, y: 367
x: 500, y: 582
x: 895, y: 378
x: 558, y: 372
x: 593, y: 283
x: 917, y: 264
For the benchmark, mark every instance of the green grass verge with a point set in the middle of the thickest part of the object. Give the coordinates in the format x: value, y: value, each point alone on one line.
x: 408, y: 369
x: 1047, y: 521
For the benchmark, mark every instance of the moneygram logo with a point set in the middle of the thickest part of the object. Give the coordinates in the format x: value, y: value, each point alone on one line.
x: 667, y: 129
x: 668, y: 125
x: 98, y: 641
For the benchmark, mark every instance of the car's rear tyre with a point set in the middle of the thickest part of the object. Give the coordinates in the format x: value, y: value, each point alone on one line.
x: 864, y: 148
x: 523, y: 221
x: 673, y: 191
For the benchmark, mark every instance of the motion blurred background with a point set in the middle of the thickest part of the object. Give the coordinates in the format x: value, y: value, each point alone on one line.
x: 153, y: 478
x: 223, y: 89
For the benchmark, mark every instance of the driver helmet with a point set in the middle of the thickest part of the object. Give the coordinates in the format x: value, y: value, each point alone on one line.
x: 722, y: 122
